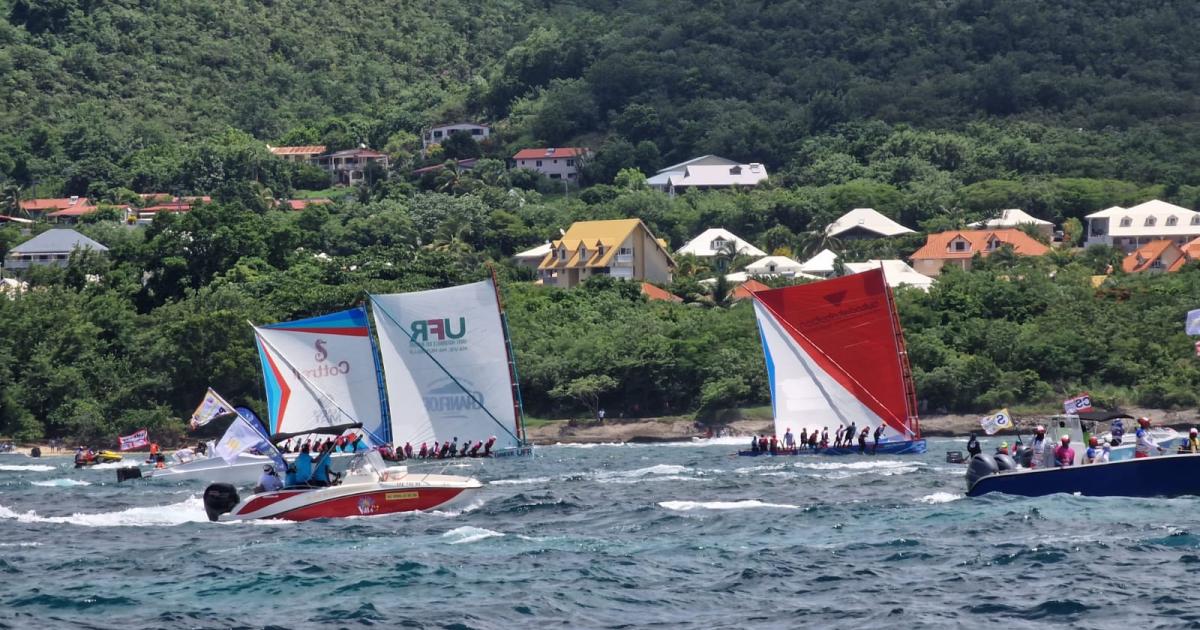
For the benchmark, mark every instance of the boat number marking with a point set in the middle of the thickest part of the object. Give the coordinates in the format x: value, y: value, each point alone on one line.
x: 401, y: 496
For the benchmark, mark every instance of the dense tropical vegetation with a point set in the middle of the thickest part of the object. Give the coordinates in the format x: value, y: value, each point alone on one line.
x: 934, y: 113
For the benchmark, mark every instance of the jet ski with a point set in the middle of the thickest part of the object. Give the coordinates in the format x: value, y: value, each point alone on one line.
x: 85, y: 459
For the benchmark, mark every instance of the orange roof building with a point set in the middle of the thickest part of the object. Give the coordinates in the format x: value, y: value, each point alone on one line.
x: 298, y: 154
x: 46, y: 206
x: 655, y: 293
x: 957, y: 247
x: 1156, y: 256
x: 747, y: 288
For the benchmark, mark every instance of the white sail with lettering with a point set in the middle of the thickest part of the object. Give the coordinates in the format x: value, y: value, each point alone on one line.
x: 446, y: 366
x: 321, y: 371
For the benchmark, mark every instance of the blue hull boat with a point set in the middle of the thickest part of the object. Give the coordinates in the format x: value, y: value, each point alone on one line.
x: 1162, y: 476
x: 911, y: 447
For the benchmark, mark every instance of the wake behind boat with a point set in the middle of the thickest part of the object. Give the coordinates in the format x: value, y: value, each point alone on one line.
x: 836, y: 357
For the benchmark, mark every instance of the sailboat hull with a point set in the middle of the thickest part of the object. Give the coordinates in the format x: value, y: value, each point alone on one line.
x: 911, y: 447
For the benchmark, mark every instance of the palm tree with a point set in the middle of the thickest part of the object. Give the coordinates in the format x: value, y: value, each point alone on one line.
x: 726, y: 255
x: 722, y: 290
x: 688, y: 265
x: 10, y: 204
x: 812, y: 243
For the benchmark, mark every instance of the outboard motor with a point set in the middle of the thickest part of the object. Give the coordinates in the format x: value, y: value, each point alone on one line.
x: 980, y: 466
x: 954, y: 457
x: 220, y: 498
x: 1005, y: 462
x: 128, y: 472
x: 35, y: 452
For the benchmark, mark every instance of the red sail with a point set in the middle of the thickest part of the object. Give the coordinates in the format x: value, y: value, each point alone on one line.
x: 849, y: 327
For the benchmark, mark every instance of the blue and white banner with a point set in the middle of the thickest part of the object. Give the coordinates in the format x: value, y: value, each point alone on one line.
x: 1193, y: 322
x: 239, y: 438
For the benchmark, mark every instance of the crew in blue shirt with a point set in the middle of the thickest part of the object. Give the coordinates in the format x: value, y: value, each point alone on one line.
x: 303, y: 465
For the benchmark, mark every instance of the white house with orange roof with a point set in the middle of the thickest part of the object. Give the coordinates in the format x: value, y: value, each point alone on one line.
x: 305, y: 153
x: 1130, y: 228
x: 622, y: 248
x: 553, y: 162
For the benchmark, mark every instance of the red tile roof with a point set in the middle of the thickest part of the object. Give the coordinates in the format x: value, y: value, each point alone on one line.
x: 654, y: 293
x: 937, y: 246
x: 748, y: 287
x: 1143, y: 258
x: 44, y: 205
x: 177, y: 206
x: 300, y: 204
x: 550, y: 153
x: 308, y: 149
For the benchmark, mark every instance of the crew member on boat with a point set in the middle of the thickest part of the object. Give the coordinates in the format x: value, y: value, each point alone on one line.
x: 1002, y: 449
x: 973, y: 447
x: 1039, y: 448
x: 878, y: 432
x: 1094, y: 453
x: 789, y: 440
x: 1192, y: 445
x: 1144, y: 443
x: 1064, y: 455
x: 268, y: 481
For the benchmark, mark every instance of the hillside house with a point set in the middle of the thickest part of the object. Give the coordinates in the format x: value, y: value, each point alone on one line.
x: 1015, y: 218
x: 301, y: 154
x: 774, y: 266
x: 713, y: 241
x: 1155, y: 257
x: 656, y: 294
x: 51, y: 248
x: 822, y: 264
x: 622, y: 248
x: 661, y: 180
x: 1129, y: 228
x: 554, y: 162
x: 532, y: 257
x: 44, y: 207
x: 439, y: 134
x: 707, y: 176
x: 956, y: 247
x: 350, y: 166
x: 864, y: 223
x: 896, y: 273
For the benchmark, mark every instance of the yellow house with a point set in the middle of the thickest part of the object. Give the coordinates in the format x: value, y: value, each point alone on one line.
x: 622, y: 248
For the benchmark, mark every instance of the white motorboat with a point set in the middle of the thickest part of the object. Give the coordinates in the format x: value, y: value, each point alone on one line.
x: 369, y: 488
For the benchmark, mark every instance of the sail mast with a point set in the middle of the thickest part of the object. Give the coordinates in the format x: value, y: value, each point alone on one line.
x: 518, y: 403
x: 385, y: 410
x: 910, y: 389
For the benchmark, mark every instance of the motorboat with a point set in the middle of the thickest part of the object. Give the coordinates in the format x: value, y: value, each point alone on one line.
x: 1165, y: 475
x: 215, y: 469
x: 368, y: 488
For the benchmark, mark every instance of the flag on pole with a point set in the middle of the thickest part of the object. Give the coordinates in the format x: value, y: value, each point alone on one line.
x: 1193, y: 322
x: 213, y: 406
x: 996, y: 422
x: 240, y: 437
x: 1078, y: 404
x: 135, y: 440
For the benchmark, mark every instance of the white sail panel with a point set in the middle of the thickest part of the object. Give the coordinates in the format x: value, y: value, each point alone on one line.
x: 320, y: 372
x: 803, y: 395
x: 446, y: 366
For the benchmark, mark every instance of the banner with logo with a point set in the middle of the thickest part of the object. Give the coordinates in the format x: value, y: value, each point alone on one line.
x: 445, y: 361
x: 999, y: 421
x: 1078, y: 404
x: 240, y: 437
x: 213, y: 406
x: 135, y: 440
x: 319, y: 372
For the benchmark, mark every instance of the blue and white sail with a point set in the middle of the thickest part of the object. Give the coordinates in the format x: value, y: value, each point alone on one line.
x: 321, y: 371
x: 446, y: 366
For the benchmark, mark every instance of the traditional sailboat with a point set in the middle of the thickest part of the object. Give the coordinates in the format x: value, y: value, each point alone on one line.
x: 446, y: 353
x: 835, y: 356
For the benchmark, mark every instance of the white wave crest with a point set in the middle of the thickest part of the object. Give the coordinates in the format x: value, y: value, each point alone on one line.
x: 716, y: 441
x: 468, y: 534
x: 458, y: 509
x: 588, y: 444
x: 28, y: 468
x: 940, y: 497
x: 189, y: 511
x: 684, y: 506
x: 61, y: 483
x: 21, y: 544
x: 660, y: 469
x: 112, y: 465
x: 519, y: 482
x: 879, y: 464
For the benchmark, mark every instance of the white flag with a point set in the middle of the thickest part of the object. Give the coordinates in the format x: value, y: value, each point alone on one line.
x: 239, y: 438
x: 998, y: 422
x: 211, y: 407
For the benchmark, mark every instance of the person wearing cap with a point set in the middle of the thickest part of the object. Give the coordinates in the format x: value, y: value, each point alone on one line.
x: 1064, y: 455
x: 269, y: 480
x: 1145, y: 445
x: 1002, y: 449
x: 1193, y: 443
x: 1094, y: 453
x: 1039, y: 448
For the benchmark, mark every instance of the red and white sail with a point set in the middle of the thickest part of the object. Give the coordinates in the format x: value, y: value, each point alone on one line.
x: 835, y: 356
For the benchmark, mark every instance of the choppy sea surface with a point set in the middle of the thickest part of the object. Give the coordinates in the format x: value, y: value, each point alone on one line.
x: 606, y: 536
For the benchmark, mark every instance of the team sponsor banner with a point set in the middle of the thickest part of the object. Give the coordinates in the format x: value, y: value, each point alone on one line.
x: 135, y: 440
x: 1078, y: 404
x: 1193, y: 322
x: 240, y: 437
x: 999, y: 421
x: 213, y: 406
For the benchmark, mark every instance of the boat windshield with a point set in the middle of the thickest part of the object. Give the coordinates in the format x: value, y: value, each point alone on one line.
x: 367, y: 463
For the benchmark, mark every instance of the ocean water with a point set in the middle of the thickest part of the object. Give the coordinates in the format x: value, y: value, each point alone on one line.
x: 606, y: 536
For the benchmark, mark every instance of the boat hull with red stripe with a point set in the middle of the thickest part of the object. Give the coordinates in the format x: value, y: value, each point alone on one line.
x: 408, y: 493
